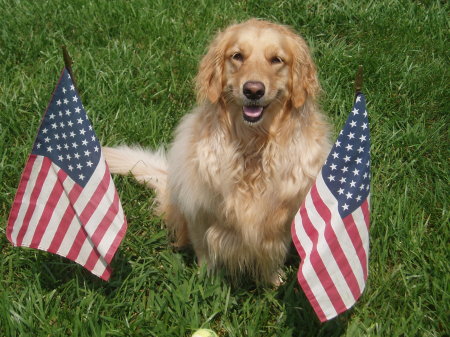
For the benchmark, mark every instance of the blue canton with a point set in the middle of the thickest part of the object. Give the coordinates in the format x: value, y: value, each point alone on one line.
x: 347, y: 169
x: 66, y: 136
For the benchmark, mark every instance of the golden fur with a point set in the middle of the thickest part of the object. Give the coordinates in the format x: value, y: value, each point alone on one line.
x: 231, y: 187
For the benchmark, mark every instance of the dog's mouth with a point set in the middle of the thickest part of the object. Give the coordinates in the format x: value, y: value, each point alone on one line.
x: 252, y: 114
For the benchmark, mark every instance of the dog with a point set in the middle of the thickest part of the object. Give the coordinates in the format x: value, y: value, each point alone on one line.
x: 243, y: 160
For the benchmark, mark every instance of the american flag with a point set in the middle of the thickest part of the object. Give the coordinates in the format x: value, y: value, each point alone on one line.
x: 331, y: 229
x: 66, y: 202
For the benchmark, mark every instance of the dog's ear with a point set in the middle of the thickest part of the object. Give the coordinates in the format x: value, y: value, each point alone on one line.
x: 208, y: 82
x: 304, y: 81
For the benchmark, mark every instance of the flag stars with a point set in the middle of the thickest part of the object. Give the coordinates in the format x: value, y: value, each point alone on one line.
x: 44, y: 131
x: 68, y: 157
x: 81, y: 177
x: 72, y: 134
x: 358, y: 198
x: 349, y: 195
x: 364, y: 126
x: 362, y: 138
x: 58, y: 102
x: 345, y: 207
x: 49, y: 149
x: 79, y: 166
x: 355, y: 172
x: 353, y: 183
x: 70, y: 168
x: 360, y: 149
x: 335, y: 155
x: 65, y: 101
x: 72, y: 87
x: 60, y: 113
x: 355, y: 112
x: 358, y: 161
x: 77, y: 156
x: 352, y: 124
x: 46, y: 139
x: 89, y: 163
x: 54, y: 126
x: 82, y: 132
x: 351, y: 135
x: 333, y: 167
x: 77, y: 110
x: 87, y: 153
x: 341, y: 191
x: 66, y: 146
x: 346, y: 159
x: 343, y: 180
x: 96, y: 148
x: 84, y: 142
x: 331, y: 177
x: 80, y: 121
x: 51, y: 116
x: 75, y: 99
x: 64, y: 90
x: 338, y: 143
x: 344, y: 169
x: 68, y: 113
x: 74, y: 145
x: 70, y: 123
x: 349, y: 147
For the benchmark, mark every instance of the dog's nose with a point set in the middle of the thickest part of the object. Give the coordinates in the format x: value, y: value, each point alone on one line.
x: 254, y: 90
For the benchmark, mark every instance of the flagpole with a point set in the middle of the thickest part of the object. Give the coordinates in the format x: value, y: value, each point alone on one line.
x: 359, y: 80
x: 68, y: 63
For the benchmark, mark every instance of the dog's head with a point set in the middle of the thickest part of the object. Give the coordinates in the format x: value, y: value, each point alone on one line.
x: 256, y: 67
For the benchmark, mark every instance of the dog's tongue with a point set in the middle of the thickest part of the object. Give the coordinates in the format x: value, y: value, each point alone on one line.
x: 253, y: 111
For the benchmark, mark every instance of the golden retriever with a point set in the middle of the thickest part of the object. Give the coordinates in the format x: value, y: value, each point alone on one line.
x: 243, y: 160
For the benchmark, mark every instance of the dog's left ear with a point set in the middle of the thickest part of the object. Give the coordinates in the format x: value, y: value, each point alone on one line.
x: 208, y: 82
x: 304, y: 81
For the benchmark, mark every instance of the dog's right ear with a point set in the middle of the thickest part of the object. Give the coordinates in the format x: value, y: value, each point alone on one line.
x: 208, y: 82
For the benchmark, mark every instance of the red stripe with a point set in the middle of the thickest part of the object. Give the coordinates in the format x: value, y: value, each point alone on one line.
x: 366, y: 212
x: 50, y: 206
x: 333, y: 243
x: 34, y: 197
x: 301, y: 278
x: 319, y: 266
x: 106, y: 274
x: 352, y: 231
x: 19, y: 196
x: 66, y: 220
x: 86, y: 215
x: 113, y: 248
x: 100, y: 232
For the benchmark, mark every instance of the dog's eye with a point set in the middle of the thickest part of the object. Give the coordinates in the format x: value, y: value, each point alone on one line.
x: 237, y: 57
x: 276, y: 60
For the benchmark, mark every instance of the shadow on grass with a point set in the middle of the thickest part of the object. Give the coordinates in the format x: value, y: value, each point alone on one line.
x: 55, y: 271
x: 300, y: 315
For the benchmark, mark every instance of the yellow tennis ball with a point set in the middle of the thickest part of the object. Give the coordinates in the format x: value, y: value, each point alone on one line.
x: 204, y: 333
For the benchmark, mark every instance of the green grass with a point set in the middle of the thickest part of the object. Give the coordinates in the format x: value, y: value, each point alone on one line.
x: 134, y: 65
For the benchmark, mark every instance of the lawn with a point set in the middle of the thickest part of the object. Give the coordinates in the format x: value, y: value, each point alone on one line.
x: 134, y: 66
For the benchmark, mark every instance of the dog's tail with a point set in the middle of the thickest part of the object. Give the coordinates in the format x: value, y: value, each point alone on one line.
x: 149, y: 168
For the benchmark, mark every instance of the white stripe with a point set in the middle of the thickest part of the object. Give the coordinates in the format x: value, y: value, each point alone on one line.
x: 37, y: 165
x: 342, y: 236
x: 112, y: 231
x: 308, y: 271
x: 358, y: 216
x: 60, y: 209
x: 326, y: 255
x: 80, y: 204
x: 100, y: 267
x: 41, y: 201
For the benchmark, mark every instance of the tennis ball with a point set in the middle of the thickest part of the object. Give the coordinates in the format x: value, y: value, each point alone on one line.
x: 204, y: 333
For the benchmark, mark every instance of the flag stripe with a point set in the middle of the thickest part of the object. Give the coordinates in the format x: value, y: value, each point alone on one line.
x: 37, y: 187
x: 344, y: 241
x: 68, y: 219
x: 49, y: 210
x: 318, y: 264
x: 94, y: 200
x: 21, y: 191
x: 100, y: 232
x: 304, y: 282
x: 334, y: 247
